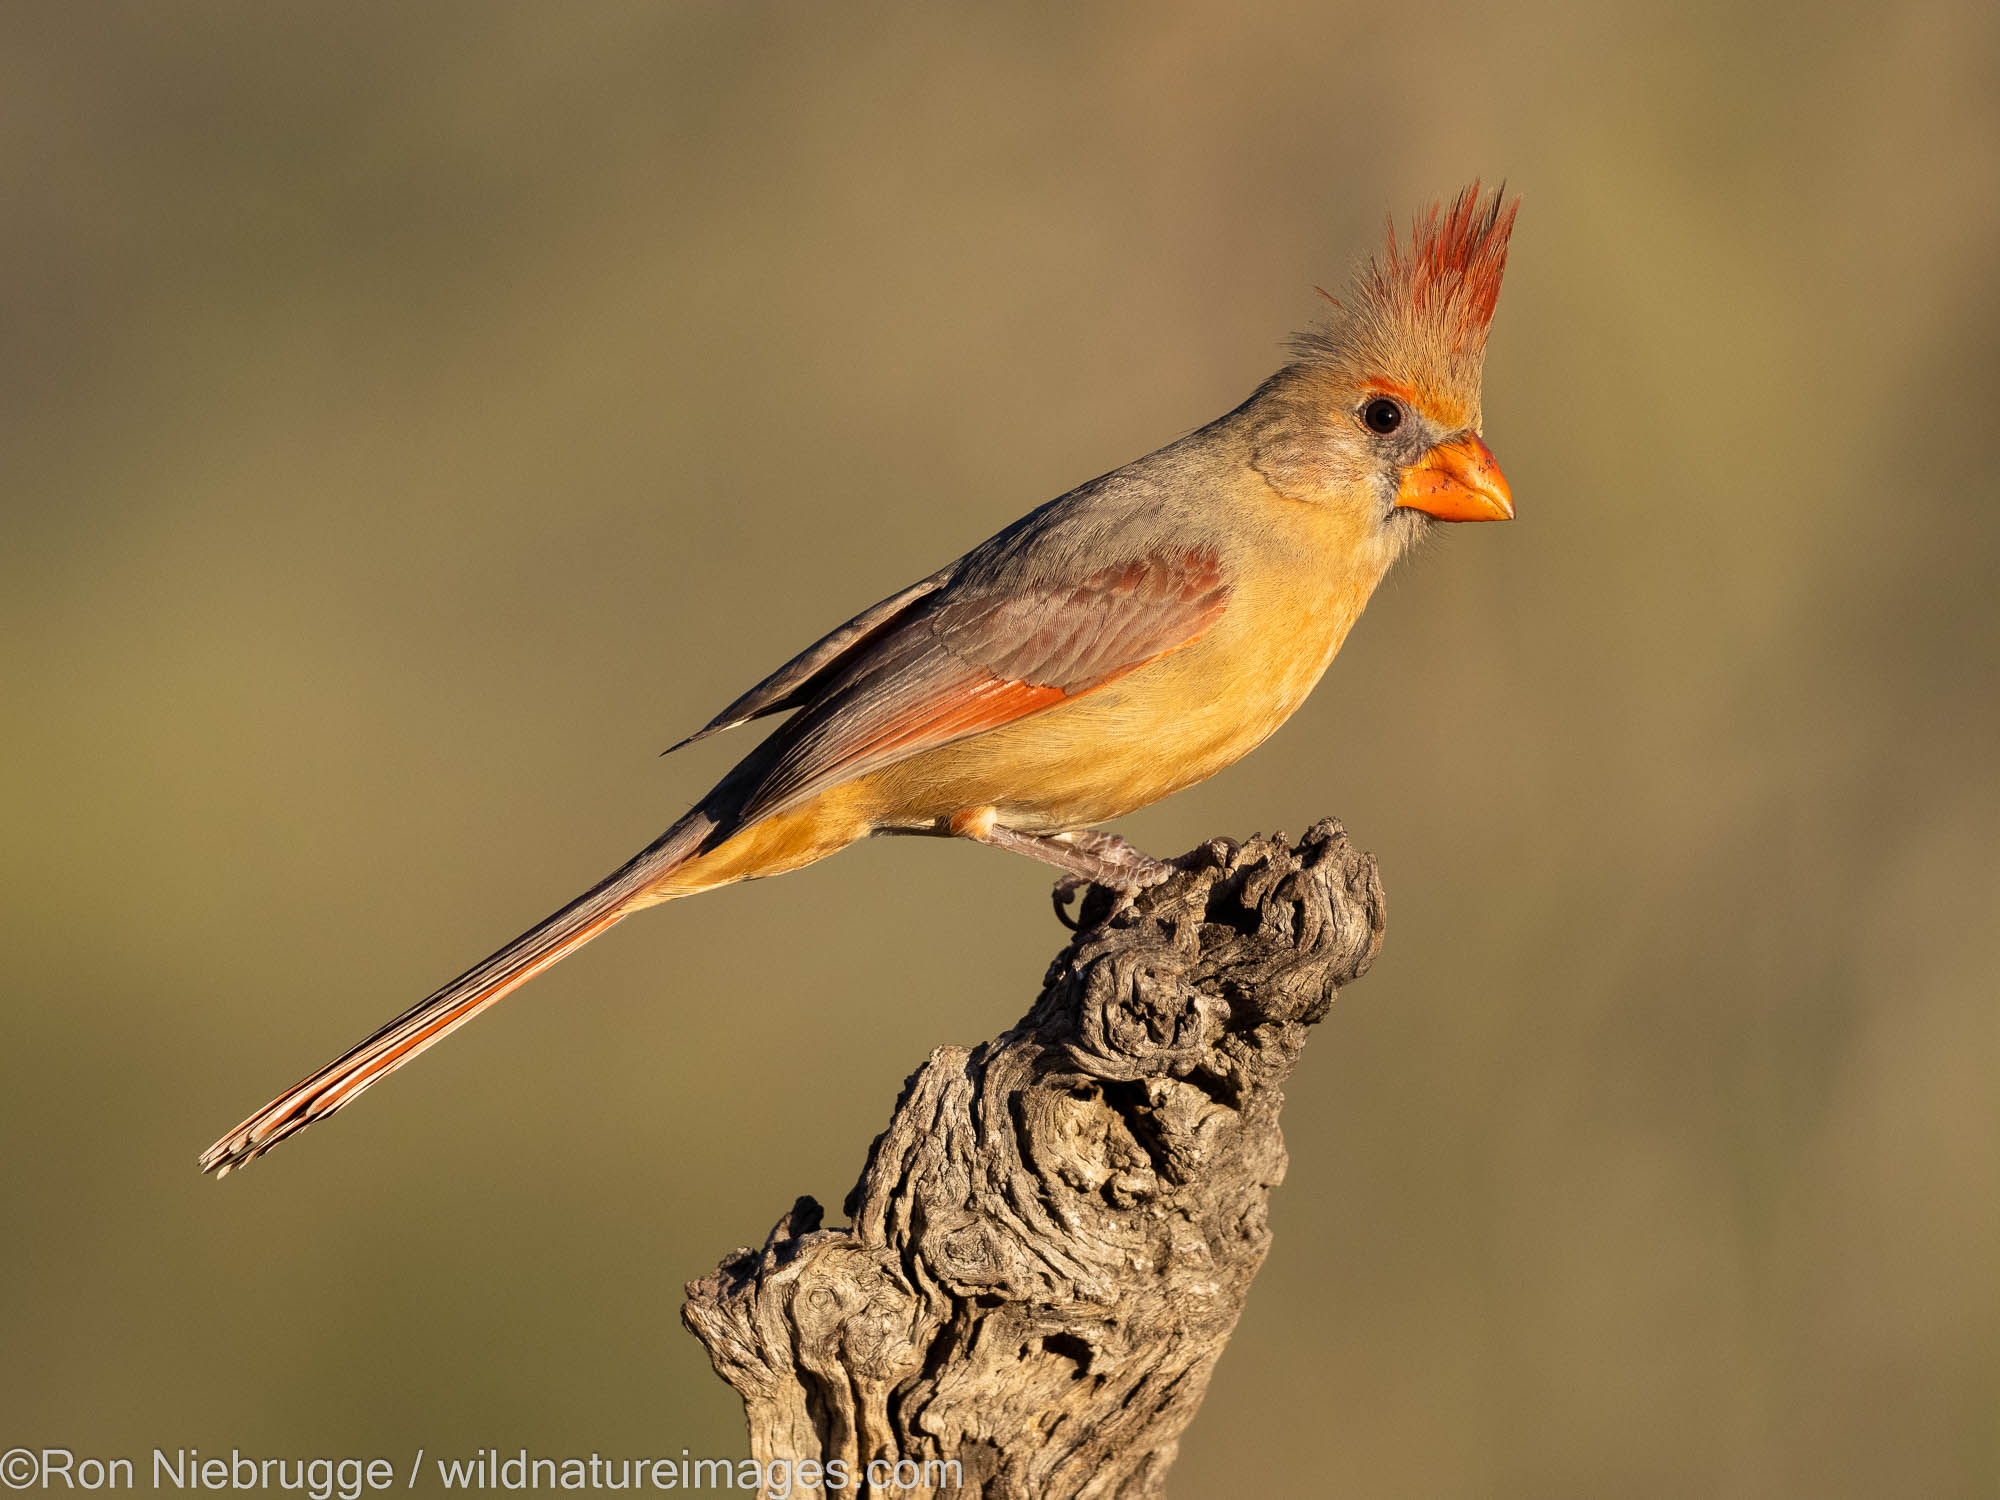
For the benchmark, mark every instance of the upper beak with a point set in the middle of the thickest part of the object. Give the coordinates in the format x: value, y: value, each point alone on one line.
x: 1458, y: 481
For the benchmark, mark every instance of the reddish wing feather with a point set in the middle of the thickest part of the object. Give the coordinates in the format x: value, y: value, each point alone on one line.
x: 978, y: 661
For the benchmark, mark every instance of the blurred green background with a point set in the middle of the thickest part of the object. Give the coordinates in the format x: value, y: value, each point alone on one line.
x: 416, y: 416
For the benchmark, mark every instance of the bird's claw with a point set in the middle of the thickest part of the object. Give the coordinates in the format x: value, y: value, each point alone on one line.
x: 1125, y: 887
x: 1065, y: 888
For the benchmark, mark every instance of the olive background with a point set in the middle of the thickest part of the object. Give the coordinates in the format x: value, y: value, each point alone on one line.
x: 412, y: 418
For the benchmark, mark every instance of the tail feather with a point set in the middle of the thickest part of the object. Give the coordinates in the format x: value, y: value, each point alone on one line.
x: 444, y: 1011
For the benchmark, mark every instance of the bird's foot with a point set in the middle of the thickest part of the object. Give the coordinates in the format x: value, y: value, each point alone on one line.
x: 1115, y: 864
x: 1088, y: 856
x: 1122, y: 867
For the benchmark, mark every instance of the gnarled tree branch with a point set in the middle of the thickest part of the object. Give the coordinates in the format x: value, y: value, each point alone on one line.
x: 1053, y: 1239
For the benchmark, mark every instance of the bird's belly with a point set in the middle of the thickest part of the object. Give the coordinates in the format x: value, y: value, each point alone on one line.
x: 1170, y: 724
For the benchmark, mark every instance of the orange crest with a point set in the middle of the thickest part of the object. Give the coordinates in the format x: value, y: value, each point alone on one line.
x: 1451, y: 275
x: 1416, y: 321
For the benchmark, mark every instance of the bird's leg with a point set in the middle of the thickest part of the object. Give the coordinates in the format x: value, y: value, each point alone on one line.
x: 1098, y: 858
x: 1087, y: 856
x: 1135, y: 868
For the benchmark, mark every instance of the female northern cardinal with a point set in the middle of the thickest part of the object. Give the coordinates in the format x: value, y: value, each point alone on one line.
x: 1122, y: 642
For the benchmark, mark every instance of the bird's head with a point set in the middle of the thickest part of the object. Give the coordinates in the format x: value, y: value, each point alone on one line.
x: 1380, y: 412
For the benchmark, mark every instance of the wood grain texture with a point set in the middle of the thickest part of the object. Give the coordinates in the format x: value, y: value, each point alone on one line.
x: 1051, y: 1242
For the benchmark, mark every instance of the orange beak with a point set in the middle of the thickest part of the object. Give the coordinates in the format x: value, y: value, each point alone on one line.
x: 1458, y: 481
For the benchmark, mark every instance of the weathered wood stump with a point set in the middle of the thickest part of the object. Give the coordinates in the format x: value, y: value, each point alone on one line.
x: 1052, y: 1241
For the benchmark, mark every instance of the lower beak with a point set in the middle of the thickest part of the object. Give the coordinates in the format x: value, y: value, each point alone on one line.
x: 1458, y: 481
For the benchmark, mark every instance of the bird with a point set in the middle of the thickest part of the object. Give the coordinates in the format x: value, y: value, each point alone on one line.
x: 1125, y: 640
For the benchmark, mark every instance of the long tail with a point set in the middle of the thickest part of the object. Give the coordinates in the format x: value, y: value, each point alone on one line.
x: 456, y: 1003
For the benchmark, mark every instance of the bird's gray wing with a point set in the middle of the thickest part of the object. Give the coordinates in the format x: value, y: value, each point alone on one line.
x: 798, y: 679
x: 970, y: 658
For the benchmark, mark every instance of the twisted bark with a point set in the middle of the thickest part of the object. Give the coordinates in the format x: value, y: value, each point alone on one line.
x: 1052, y: 1241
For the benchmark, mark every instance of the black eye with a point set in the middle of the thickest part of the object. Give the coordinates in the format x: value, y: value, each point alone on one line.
x: 1382, y: 416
